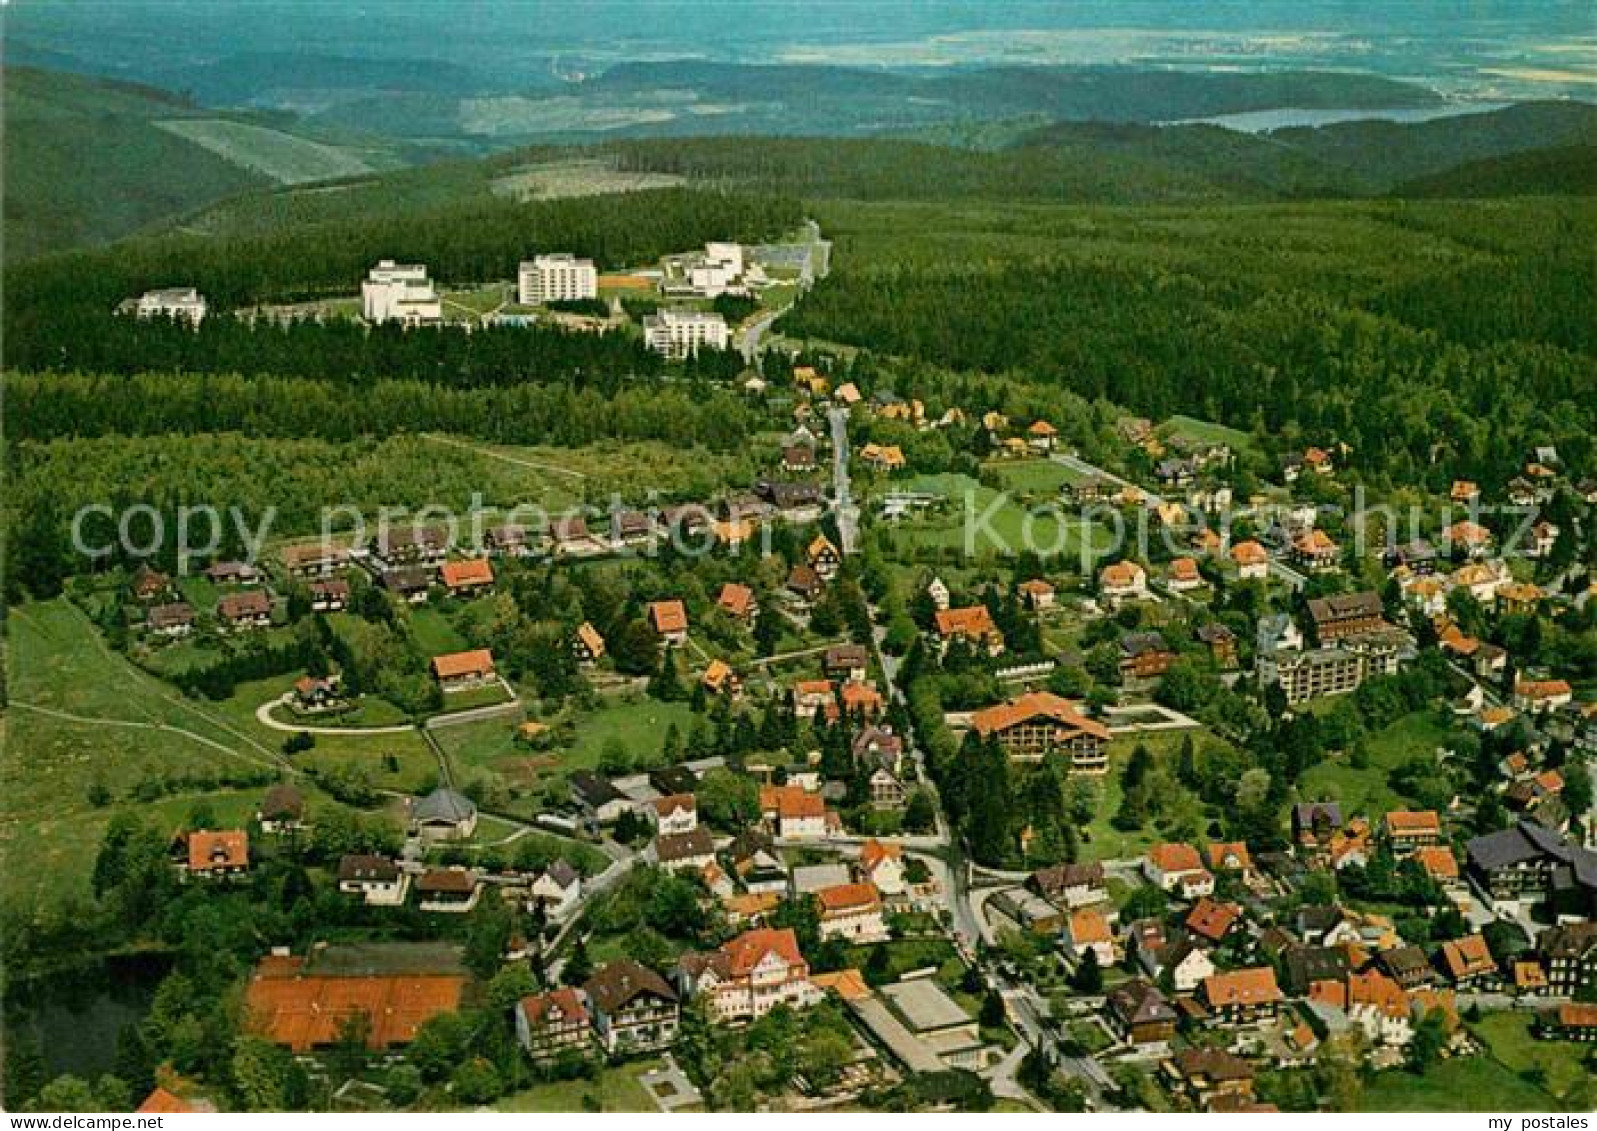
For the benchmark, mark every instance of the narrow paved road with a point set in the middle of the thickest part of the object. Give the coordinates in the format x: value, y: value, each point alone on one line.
x: 847, y: 512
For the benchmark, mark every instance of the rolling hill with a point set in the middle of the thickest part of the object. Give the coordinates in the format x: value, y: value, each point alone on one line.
x: 89, y: 160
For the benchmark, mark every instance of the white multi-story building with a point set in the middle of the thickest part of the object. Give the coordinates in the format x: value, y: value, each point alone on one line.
x: 678, y: 333
x: 399, y: 292
x: 182, y: 303
x: 558, y: 277
x: 717, y: 270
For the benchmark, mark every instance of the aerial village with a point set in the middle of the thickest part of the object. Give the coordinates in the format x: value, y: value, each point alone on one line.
x: 853, y: 810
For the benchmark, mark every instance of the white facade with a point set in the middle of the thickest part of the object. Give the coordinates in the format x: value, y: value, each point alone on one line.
x: 679, y: 333
x: 560, y: 277
x: 399, y: 292
x: 182, y: 303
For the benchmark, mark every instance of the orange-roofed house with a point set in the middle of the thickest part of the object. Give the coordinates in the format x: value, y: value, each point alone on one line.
x: 732, y: 532
x: 1468, y: 962
x: 1251, y: 560
x: 1230, y: 856
x: 861, y: 701
x: 1439, y: 863
x: 549, y: 1024
x: 1464, y: 491
x: 737, y: 601
x: 1042, y: 436
x: 1210, y: 920
x: 1538, y: 695
x: 1407, y: 830
x: 883, y: 457
x: 458, y: 670
x: 1087, y: 929
x: 587, y: 645
x: 1039, y: 724
x: 1037, y: 594
x: 850, y: 984
x: 814, y: 696
x: 852, y: 912
x: 1122, y: 581
x: 823, y: 557
x: 669, y: 619
x: 743, y: 909
x: 473, y: 575
x: 847, y: 394
x: 306, y: 1011
x: 793, y: 812
x: 1178, y: 868
x: 1184, y: 576
x: 751, y: 975
x: 1381, y: 1007
x: 1314, y: 550
x: 215, y: 854
x: 1318, y: 460
x: 1572, y: 1021
x: 1468, y: 538
x: 883, y: 865
x: 720, y: 679
x: 163, y: 1102
x: 1242, y: 997
x: 973, y: 624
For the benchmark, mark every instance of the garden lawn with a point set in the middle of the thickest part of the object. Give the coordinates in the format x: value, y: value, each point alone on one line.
x: 639, y: 726
x: 1366, y: 790
x: 1469, y: 1083
x: 1509, y: 1041
x: 616, y: 1089
x: 1008, y: 529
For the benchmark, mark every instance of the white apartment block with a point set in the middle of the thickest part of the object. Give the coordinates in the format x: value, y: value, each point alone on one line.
x: 399, y: 292
x: 679, y: 333
x: 182, y: 303
x: 560, y: 277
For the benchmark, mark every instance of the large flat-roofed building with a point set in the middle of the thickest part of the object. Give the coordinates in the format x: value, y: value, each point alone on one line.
x: 557, y: 277
x: 399, y: 292
x: 1336, y: 670
x: 679, y: 333
x: 181, y: 304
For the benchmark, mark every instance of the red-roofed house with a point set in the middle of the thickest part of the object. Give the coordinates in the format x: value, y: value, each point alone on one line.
x: 1178, y: 868
x: 750, y: 976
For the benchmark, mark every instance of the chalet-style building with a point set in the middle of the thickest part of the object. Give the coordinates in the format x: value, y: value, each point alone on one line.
x: 314, y: 559
x: 737, y: 601
x: 973, y: 624
x: 1242, y: 997
x: 378, y: 880
x: 749, y: 976
x: 1346, y: 614
x: 1531, y: 863
x: 1178, y: 868
x: 586, y: 644
x: 669, y: 619
x: 282, y: 809
x: 457, y: 671
x: 171, y: 620
x: 249, y: 609
x: 634, y: 1009
x: 1144, y: 655
x: 1139, y: 1013
x: 1040, y: 723
x: 444, y: 815
x: 848, y: 662
x: 329, y: 596
x: 211, y: 855
x: 468, y: 577
x: 554, y: 1022
x: 1070, y: 885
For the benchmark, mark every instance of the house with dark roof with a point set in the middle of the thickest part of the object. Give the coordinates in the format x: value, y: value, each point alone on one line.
x: 1139, y: 1013
x: 444, y: 815
x: 634, y: 1009
x: 1532, y: 863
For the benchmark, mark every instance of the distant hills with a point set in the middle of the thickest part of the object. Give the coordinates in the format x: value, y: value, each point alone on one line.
x: 90, y: 160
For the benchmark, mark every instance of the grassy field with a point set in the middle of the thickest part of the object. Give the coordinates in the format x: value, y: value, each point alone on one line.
x: 1207, y: 432
x: 434, y: 632
x: 1009, y: 529
x: 616, y: 1089
x: 283, y: 157
x: 1510, y: 1042
x: 639, y: 726
x: 1472, y: 1083
x: 558, y: 179
x: 1366, y: 790
x: 1042, y: 476
x: 80, y: 715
